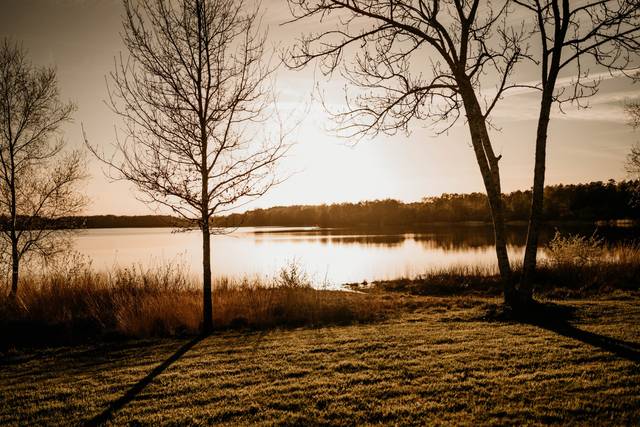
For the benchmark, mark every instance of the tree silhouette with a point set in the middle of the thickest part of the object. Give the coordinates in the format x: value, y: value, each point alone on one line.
x: 38, y: 182
x: 419, y: 60
x: 633, y: 159
x: 192, y: 97
x: 633, y: 112
x: 572, y: 35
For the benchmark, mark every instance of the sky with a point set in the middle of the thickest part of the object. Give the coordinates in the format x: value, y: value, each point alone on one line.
x: 82, y: 39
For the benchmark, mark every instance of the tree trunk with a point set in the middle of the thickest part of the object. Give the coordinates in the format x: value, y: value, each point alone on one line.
x: 207, y: 303
x: 207, y: 311
x: 15, y: 256
x: 15, y: 268
x: 535, y: 214
x: 500, y: 238
x: 489, y: 169
x: 525, y: 290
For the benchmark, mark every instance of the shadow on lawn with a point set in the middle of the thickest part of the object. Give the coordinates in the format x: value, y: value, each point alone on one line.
x: 116, y: 405
x: 625, y: 349
x: 556, y: 318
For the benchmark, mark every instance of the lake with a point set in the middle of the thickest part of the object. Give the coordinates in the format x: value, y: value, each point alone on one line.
x: 329, y: 256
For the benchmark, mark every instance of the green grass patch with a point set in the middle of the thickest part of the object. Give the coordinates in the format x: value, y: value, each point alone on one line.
x: 424, y: 366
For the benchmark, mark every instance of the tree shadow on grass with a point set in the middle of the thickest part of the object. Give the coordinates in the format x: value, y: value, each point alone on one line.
x: 116, y: 405
x: 625, y: 349
x: 556, y: 318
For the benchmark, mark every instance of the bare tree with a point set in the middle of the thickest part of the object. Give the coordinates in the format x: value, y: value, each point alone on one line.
x: 38, y: 182
x: 633, y: 112
x: 422, y: 60
x: 633, y: 159
x: 573, y: 35
x: 192, y: 96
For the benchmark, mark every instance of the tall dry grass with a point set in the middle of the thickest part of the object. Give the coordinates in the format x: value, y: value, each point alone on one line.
x: 442, y: 281
x: 78, y: 303
x: 577, y: 265
x: 572, y: 266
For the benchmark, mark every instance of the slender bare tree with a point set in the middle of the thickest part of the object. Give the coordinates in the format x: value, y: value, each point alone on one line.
x: 419, y: 60
x: 573, y: 36
x: 633, y: 158
x: 633, y: 113
x: 38, y: 182
x: 194, y: 97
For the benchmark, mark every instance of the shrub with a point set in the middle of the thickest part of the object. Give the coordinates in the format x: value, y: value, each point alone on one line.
x: 574, y: 249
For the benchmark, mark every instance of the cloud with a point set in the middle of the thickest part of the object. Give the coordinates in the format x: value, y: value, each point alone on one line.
x: 605, y: 106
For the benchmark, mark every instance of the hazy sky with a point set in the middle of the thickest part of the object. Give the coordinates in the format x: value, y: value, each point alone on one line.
x: 82, y: 38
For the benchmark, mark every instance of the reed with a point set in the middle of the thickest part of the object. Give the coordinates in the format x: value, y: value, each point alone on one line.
x: 75, y: 304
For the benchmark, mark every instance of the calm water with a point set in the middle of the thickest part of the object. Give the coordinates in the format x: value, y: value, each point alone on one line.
x: 331, y: 256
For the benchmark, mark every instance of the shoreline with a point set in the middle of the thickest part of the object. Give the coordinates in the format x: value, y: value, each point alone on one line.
x: 616, y: 223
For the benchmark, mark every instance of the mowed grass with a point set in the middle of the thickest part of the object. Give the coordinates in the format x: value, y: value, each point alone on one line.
x: 439, y: 362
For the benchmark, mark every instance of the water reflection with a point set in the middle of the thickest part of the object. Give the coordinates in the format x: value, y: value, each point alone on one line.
x: 331, y: 256
x: 447, y: 237
x: 357, y: 239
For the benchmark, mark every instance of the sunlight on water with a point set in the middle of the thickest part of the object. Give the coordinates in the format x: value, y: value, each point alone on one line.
x: 330, y: 257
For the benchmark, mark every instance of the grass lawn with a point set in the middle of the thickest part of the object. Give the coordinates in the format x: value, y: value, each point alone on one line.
x: 439, y: 362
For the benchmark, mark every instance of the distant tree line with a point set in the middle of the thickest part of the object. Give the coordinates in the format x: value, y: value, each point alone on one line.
x: 579, y: 202
x: 99, y: 221
x: 132, y: 221
x: 595, y: 201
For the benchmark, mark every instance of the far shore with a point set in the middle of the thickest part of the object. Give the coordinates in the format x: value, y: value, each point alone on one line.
x: 146, y: 221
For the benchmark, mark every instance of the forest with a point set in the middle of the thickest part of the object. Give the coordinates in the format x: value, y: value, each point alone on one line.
x: 594, y: 201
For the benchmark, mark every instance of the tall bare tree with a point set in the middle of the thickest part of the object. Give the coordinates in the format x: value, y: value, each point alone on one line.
x: 194, y: 97
x: 419, y: 60
x: 573, y: 36
x: 38, y: 182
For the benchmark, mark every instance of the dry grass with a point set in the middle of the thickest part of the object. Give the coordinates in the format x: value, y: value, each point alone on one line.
x: 443, y: 281
x: 573, y: 268
x: 437, y: 365
x: 73, y: 305
x: 583, y: 267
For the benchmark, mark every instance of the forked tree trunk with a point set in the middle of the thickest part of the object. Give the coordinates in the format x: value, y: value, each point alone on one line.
x: 207, y: 303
